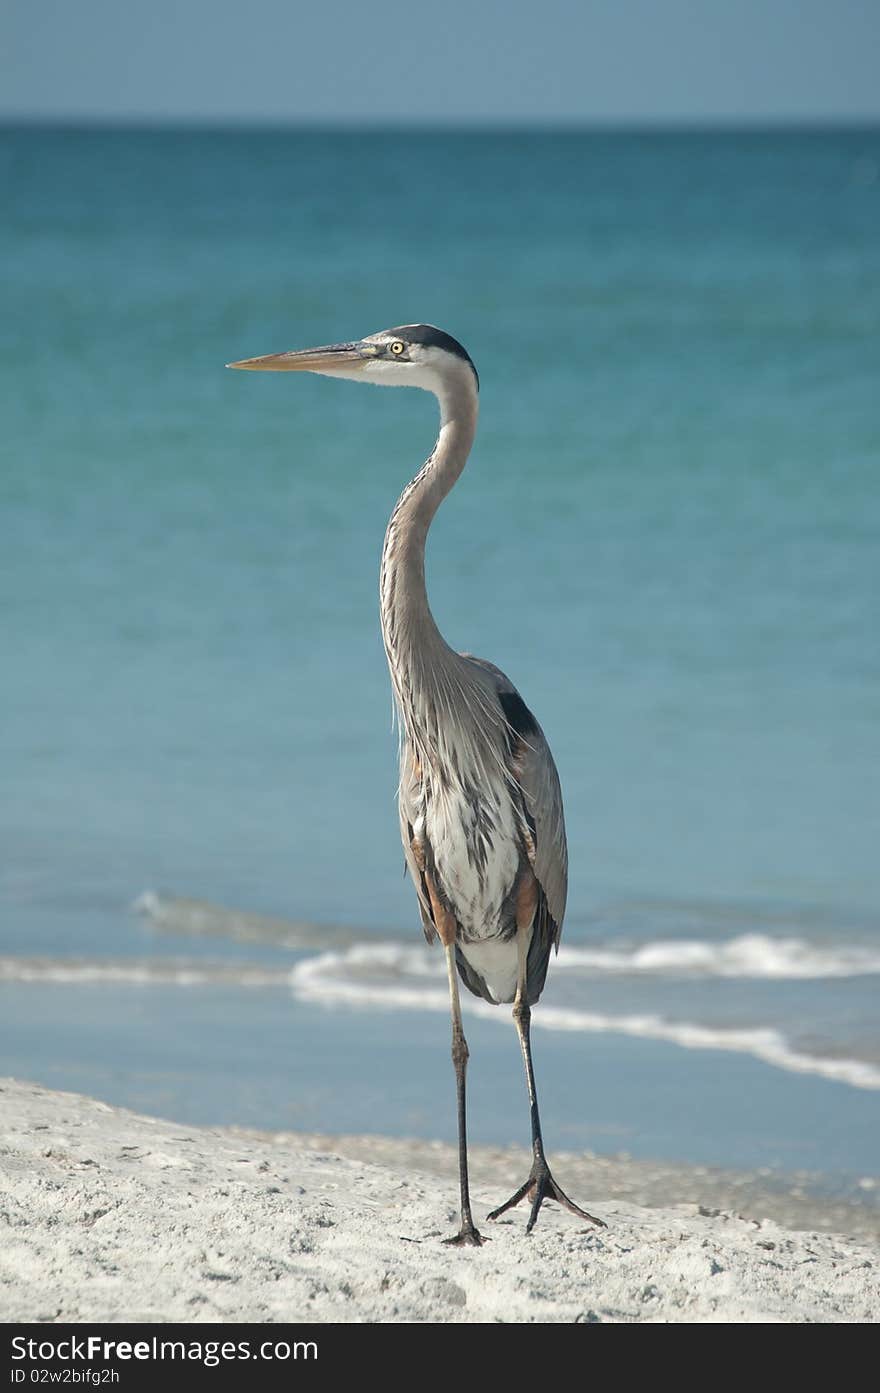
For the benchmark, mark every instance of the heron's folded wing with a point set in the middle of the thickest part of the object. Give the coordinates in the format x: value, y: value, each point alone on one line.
x: 536, y: 775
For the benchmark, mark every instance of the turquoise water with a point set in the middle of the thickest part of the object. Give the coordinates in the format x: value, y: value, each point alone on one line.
x: 667, y: 536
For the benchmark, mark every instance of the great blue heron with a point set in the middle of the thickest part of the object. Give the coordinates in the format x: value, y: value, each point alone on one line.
x: 480, y: 804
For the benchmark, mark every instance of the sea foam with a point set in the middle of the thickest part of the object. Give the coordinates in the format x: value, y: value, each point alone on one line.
x: 139, y: 972
x: 748, y: 955
x: 382, y: 978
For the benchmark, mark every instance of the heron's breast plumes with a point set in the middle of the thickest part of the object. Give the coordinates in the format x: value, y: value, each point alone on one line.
x: 475, y: 843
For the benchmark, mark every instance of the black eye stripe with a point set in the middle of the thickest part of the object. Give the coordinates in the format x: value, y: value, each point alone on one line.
x: 431, y: 337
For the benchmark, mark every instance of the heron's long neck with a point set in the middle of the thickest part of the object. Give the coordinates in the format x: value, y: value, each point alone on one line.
x: 417, y: 652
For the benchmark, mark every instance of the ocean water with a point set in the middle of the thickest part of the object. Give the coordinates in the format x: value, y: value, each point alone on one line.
x: 668, y: 536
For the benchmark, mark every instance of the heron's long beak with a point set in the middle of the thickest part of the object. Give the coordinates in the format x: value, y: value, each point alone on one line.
x: 335, y: 355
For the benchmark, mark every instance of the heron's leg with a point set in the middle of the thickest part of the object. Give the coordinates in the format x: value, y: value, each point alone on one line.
x: 540, y: 1184
x: 468, y: 1233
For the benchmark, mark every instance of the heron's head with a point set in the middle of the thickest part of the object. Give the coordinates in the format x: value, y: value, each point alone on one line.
x: 413, y: 355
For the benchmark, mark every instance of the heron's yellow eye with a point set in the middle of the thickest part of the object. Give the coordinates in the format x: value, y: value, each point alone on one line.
x: 397, y: 347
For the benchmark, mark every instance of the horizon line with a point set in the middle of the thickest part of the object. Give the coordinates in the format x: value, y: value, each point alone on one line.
x: 472, y: 125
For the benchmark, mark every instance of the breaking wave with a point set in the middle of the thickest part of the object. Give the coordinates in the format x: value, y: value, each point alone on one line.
x: 342, y: 969
x: 394, y: 978
x: 753, y: 955
x: 748, y: 955
x: 140, y: 972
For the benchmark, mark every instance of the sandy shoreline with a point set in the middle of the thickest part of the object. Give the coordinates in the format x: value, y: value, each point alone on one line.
x: 106, y: 1215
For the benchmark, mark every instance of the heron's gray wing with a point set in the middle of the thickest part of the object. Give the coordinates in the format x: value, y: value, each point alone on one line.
x: 535, y: 773
x: 409, y: 805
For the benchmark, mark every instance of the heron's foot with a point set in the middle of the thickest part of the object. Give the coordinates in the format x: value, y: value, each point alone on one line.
x: 467, y: 1237
x: 539, y: 1187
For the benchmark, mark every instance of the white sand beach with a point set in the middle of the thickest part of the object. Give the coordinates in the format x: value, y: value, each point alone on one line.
x: 109, y: 1216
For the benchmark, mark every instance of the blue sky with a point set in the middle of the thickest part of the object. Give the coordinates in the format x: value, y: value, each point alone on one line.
x: 448, y: 61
